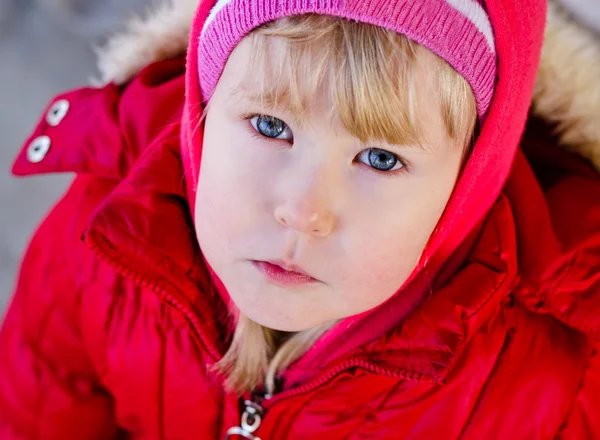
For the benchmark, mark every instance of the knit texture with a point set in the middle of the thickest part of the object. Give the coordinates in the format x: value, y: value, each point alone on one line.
x: 459, y: 31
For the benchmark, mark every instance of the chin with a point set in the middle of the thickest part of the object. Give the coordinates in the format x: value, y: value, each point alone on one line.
x: 276, y: 321
x: 274, y: 307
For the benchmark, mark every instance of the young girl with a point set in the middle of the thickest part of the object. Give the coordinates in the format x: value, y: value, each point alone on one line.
x: 320, y: 227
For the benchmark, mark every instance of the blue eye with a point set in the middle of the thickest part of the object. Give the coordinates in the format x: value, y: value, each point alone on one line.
x: 380, y: 160
x: 268, y: 126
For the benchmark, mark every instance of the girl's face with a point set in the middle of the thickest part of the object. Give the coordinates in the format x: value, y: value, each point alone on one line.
x: 354, y: 217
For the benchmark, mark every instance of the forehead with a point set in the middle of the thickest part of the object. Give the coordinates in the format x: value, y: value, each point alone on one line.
x: 254, y: 80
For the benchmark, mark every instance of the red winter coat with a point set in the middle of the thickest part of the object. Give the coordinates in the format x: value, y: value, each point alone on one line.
x: 115, y: 317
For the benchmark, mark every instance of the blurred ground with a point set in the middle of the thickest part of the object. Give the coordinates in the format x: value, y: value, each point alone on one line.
x: 44, y: 49
x: 586, y: 11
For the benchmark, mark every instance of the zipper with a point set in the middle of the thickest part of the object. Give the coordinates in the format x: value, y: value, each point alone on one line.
x: 257, y: 404
x: 251, y: 419
x: 340, y: 368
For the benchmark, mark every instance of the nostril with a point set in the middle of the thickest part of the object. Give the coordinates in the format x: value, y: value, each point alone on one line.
x: 321, y: 232
x: 281, y: 220
x: 304, y: 219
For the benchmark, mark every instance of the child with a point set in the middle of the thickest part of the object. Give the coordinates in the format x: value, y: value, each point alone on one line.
x: 322, y: 227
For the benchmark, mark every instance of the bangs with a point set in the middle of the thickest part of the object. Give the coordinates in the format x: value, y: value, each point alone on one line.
x: 366, y: 71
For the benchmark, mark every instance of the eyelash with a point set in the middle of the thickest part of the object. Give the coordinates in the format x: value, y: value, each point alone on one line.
x: 386, y: 174
x: 253, y: 132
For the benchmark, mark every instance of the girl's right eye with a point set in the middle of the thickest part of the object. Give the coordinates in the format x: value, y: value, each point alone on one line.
x: 269, y: 126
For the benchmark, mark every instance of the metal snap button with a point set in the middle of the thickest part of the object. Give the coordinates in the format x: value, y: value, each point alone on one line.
x: 57, y: 112
x: 38, y: 148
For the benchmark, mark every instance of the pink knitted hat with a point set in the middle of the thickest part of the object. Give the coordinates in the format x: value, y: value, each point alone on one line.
x: 457, y: 30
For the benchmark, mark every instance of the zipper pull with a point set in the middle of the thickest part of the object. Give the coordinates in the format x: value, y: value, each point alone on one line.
x: 251, y: 420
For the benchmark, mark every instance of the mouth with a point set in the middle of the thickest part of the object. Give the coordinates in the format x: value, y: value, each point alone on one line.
x: 286, y: 275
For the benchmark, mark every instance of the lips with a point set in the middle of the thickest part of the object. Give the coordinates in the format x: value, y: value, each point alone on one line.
x: 278, y: 272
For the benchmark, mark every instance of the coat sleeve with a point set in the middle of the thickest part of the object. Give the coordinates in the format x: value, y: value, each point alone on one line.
x: 583, y: 421
x: 576, y: 299
x: 49, y: 386
x: 581, y: 309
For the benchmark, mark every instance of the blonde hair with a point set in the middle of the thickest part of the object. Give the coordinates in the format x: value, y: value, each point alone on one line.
x: 369, y: 74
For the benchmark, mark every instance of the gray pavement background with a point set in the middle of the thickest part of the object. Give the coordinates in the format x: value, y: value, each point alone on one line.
x: 586, y: 11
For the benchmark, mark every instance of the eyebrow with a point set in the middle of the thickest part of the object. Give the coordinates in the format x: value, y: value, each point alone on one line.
x: 272, y: 100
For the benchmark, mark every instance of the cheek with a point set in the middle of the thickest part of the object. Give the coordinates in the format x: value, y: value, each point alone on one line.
x: 382, y: 258
x: 374, y: 266
x: 379, y: 266
x: 227, y: 209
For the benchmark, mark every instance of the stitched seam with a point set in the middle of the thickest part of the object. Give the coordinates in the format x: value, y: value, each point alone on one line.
x: 364, y: 422
x: 161, y: 385
x: 564, y: 316
x: 569, y: 267
x: 503, y: 280
x: 564, y: 423
x: 505, y: 346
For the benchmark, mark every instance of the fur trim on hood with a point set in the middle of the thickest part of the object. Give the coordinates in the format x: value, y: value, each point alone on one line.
x: 161, y: 34
x: 567, y: 90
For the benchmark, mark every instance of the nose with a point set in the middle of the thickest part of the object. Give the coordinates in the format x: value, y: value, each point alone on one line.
x: 307, y: 214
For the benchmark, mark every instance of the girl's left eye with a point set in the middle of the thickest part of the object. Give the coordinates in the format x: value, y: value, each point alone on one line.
x: 380, y: 160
